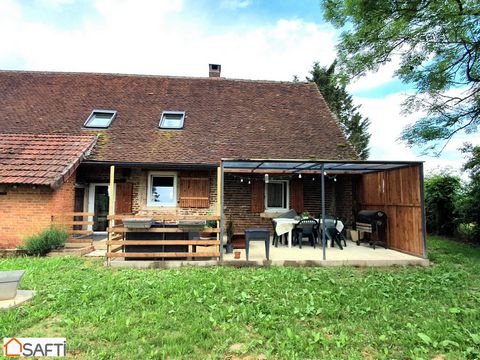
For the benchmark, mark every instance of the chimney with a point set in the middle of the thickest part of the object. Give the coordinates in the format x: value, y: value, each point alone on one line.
x: 214, y: 70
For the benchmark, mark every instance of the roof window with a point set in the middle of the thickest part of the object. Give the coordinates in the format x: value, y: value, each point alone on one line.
x: 172, y: 120
x: 100, y: 119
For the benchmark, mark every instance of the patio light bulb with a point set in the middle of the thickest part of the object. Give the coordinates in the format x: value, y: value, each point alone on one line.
x: 299, y: 176
x: 249, y: 181
x: 325, y: 173
x: 266, y: 178
x: 335, y: 179
x: 241, y: 179
x: 313, y: 178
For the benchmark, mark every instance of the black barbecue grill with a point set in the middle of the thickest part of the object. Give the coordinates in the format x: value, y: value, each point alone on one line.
x: 374, y: 224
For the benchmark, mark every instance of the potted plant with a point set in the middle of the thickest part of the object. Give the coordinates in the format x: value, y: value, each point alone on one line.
x: 206, y: 234
x: 229, y: 231
x: 305, y: 215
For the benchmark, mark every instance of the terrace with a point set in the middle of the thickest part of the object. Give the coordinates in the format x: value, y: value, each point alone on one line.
x: 395, y: 188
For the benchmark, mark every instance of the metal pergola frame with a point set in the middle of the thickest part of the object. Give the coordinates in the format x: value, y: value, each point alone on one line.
x: 295, y: 166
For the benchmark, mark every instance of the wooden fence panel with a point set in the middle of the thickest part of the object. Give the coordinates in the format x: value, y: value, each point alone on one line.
x: 397, y: 193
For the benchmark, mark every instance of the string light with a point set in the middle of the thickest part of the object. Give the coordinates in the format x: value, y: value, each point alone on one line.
x: 299, y: 176
x: 241, y: 179
x: 249, y: 181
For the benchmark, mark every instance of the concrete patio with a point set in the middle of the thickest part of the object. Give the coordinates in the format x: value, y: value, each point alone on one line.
x: 352, y: 255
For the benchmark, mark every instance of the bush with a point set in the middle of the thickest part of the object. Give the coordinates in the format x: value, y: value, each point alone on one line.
x: 441, y: 193
x: 49, y: 239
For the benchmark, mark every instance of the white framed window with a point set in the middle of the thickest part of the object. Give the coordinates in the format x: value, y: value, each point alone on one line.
x: 100, y: 119
x: 172, y: 120
x: 162, y: 189
x: 277, y: 195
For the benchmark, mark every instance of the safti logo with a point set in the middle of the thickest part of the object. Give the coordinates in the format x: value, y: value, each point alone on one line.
x: 37, y: 347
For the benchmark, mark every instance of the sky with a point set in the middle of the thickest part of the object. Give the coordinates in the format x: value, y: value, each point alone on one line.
x: 251, y: 39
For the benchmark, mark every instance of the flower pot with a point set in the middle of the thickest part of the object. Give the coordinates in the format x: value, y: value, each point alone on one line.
x: 354, y: 235
x: 237, y: 254
x: 9, y: 281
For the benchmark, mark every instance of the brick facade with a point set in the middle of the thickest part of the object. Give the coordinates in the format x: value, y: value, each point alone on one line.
x: 26, y: 209
x: 339, y: 196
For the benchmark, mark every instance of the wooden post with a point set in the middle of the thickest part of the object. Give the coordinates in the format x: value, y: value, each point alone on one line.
x: 111, y: 201
x: 219, y: 204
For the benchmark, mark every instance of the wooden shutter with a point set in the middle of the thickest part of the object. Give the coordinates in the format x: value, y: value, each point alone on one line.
x: 258, y: 196
x: 296, y: 195
x: 123, y: 198
x: 195, y: 191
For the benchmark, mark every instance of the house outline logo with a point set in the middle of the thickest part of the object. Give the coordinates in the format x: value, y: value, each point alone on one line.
x: 7, y: 345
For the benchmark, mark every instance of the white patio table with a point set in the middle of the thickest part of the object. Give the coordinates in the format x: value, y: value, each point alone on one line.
x: 286, y: 225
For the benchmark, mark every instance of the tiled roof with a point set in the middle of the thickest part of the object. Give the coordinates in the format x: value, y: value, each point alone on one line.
x: 41, y: 159
x: 224, y: 118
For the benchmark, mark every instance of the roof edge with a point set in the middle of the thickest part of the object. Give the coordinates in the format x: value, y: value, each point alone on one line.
x: 68, y: 171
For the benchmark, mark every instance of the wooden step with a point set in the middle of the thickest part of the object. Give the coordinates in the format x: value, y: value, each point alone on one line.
x: 77, y: 245
x: 71, y: 251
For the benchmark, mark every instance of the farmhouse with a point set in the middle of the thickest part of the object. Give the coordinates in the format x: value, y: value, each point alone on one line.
x: 167, y: 136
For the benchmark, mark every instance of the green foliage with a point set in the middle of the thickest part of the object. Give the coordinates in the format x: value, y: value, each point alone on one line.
x: 441, y: 193
x: 274, y: 313
x: 49, y: 239
x: 341, y: 104
x: 436, y: 43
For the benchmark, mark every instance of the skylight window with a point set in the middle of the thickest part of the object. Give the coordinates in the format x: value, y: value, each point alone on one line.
x: 172, y: 120
x: 100, y: 119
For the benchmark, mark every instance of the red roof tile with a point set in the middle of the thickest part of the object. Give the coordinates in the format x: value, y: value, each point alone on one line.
x: 41, y: 159
x: 224, y: 118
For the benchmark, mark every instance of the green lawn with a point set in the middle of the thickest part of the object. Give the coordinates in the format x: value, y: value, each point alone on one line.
x: 280, y: 313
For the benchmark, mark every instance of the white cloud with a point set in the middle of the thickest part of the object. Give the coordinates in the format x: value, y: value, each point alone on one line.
x: 157, y: 37
x: 372, y: 80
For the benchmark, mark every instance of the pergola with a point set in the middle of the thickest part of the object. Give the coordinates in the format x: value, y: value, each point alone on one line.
x: 395, y: 187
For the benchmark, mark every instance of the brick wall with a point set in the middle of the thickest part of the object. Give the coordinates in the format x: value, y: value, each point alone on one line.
x: 26, y: 210
x: 338, y: 200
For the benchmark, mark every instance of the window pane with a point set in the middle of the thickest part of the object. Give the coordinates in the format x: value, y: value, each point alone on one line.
x: 162, y: 190
x: 172, y: 121
x: 100, y: 120
x: 275, y: 195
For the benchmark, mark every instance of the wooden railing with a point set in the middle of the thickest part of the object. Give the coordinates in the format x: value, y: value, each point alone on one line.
x: 76, y: 223
x: 116, y: 238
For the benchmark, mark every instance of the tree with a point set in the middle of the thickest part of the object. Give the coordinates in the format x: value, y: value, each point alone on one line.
x: 441, y: 193
x: 341, y: 104
x: 468, y: 204
x: 437, y: 44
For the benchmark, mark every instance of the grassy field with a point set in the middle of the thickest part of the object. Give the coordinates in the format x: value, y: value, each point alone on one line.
x: 279, y: 313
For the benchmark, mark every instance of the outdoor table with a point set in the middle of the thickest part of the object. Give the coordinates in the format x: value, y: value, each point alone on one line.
x: 285, y: 226
x: 257, y: 234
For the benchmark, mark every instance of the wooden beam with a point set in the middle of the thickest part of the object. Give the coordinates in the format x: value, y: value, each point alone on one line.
x: 165, y: 217
x: 111, y: 201
x: 75, y: 222
x: 73, y: 214
x: 163, y: 254
x: 164, y: 242
x: 82, y: 232
x: 156, y: 230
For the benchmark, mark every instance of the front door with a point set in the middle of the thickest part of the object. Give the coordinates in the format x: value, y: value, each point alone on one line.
x: 98, y: 204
